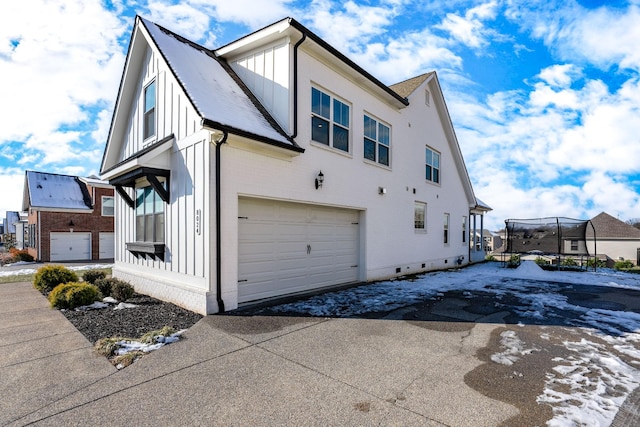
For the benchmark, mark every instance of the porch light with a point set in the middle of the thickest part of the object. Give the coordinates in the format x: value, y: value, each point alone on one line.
x: 319, y: 180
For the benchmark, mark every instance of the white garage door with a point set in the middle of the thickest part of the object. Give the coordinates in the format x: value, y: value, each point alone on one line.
x: 70, y: 246
x: 291, y: 247
x: 107, y: 245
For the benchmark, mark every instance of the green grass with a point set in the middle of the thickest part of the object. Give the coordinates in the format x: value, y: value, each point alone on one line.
x: 17, y: 278
x: 29, y: 277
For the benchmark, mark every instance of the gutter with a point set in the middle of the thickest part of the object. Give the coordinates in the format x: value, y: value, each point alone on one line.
x: 295, y: 84
x: 219, y: 300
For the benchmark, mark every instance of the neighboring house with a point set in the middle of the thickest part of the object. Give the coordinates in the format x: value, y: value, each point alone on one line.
x: 614, y: 238
x: 69, y: 218
x: 21, y: 235
x: 275, y: 165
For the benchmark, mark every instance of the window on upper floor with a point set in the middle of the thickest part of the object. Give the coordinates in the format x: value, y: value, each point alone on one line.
x: 108, y: 206
x: 149, y: 215
x: 329, y: 120
x: 432, y: 171
x: 377, y: 141
x: 149, y: 116
x: 420, y: 216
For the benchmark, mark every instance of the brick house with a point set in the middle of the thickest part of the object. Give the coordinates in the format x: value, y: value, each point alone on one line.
x: 68, y: 218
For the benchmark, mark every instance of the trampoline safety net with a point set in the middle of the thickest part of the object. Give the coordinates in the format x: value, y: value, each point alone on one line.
x: 555, y: 235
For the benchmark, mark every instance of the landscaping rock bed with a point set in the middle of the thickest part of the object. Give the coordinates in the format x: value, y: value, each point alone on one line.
x: 148, y: 315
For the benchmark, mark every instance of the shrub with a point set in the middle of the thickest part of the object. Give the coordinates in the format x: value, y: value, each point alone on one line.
x: 91, y: 276
x: 595, y: 262
x: 121, y: 290
x: 50, y: 276
x: 21, y: 255
x: 569, y: 262
x: 623, y: 265
x: 514, y: 261
x: 105, y: 285
x: 490, y: 258
x: 541, y: 261
x: 74, y: 294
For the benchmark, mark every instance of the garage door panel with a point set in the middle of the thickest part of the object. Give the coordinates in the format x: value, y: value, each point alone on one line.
x: 70, y: 246
x: 309, y: 247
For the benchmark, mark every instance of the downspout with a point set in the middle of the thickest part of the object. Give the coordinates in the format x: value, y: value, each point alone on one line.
x: 219, y: 225
x: 295, y: 85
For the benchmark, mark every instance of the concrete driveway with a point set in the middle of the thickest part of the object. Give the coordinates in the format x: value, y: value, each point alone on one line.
x: 429, y: 364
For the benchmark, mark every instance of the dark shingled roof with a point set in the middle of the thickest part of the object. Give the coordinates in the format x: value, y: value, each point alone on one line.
x: 609, y: 227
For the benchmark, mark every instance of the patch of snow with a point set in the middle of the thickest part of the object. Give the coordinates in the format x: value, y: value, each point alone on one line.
x: 514, y: 348
x: 124, y: 305
x: 588, y: 389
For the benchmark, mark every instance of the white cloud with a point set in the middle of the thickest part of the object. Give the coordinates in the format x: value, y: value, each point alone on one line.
x: 568, y: 147
x: 12, y: 183
x: 470, y: 30
x: 55, y: 64
x: 191, y: 18
x: 560, y: 75
x: 605, y: 36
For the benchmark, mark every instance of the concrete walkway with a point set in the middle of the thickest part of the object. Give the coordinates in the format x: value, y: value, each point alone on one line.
x: 234, y: 370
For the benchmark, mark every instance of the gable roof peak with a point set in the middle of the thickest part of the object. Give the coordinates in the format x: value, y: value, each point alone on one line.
x: 407, y: 87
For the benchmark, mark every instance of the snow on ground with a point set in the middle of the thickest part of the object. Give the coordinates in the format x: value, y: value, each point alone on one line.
x: 584, y: 389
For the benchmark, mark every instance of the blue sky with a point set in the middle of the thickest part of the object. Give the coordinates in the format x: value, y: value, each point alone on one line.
x: 544, y: 95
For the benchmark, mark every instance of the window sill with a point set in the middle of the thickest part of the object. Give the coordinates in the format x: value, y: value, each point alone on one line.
x: 380, y: 165
x: 330, y: 148
x: 152, y: 250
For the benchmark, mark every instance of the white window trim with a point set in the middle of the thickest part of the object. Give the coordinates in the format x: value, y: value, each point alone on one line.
x: 332, y: 122
x: 377, y: 162
x: 439, y: 182
x: 153, y: 137
x: 102, y: 206
x: 446, y: 227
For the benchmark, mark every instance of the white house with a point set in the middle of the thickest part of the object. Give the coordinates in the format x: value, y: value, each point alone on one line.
x: 275, y: 165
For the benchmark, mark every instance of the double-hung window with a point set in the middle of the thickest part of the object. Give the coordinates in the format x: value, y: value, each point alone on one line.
x: 420, y: 216
x: 329, y: 120
x: 149, y: 115
x: 446, y: 228
x: 432, y: 161
x: 377, y: 139
x: 149, y: 215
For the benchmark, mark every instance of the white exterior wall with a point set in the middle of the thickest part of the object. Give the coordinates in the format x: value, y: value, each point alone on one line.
x: 185, y: 269
x: 616, y: 249
x: 266, y: 73
x: 388, y: 238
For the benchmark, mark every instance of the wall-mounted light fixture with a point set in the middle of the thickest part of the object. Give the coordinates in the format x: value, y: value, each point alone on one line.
x: 319, y: 180
x: 382, y: 190
x: 71, y: 224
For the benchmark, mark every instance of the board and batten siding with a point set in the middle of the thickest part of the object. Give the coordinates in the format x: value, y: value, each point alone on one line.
x: 186, y: 217
x: 174, y: 112
x: 266, y: 73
